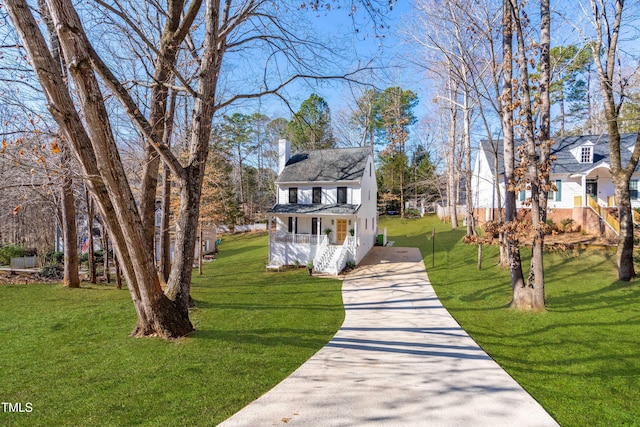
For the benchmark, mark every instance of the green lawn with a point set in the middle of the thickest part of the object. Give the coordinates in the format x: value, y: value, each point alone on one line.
x: 580, y: 359
x: 68, y: 353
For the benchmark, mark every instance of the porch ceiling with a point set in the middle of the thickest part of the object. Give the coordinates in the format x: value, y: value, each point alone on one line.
x: 315, y: 209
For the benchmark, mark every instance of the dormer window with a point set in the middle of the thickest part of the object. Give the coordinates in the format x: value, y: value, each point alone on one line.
x: 586, y: 155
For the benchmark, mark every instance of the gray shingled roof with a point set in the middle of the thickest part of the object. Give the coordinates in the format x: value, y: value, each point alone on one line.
x: 566, y: 162
x: 316, y: 209
x: 339, y: 164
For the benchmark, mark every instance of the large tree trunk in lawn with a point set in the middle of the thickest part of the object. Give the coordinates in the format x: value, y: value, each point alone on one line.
x: 71, y: 278
x: 624, y: 255
x: 158, y: 116
x: 607, y: 33
x: 531, y: 296
x: 96, y: 151
x: 179, y: 284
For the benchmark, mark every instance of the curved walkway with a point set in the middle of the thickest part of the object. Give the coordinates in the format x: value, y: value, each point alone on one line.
x: 399, y: 359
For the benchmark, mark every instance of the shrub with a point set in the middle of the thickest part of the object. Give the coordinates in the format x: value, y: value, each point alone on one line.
x: 11, y: 251
x: 52, y: 271
x: 412, y: 213
x: 567, y: 223
x: 55, y: 257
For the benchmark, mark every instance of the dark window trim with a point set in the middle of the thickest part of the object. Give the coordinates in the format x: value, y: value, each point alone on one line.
x: 316, y: 195
x: 293, y: 195
x: 341, y: 200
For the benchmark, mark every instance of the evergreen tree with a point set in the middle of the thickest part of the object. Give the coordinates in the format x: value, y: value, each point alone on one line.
x: 310, y: 127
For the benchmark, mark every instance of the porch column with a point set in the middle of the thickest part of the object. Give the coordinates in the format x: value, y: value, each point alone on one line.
x: 269, y: 225
x: 584, y: 190
x: 355, y: 231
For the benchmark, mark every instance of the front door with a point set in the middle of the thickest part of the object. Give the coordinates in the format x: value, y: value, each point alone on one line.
x: 341, y: 231
x: 592, y: 189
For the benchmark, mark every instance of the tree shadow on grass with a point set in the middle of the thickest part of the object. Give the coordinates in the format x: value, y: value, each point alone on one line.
x: 618, y: 295
x: 268, y: 337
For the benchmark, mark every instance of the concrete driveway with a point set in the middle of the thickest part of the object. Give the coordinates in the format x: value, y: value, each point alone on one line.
x: 399, y: 359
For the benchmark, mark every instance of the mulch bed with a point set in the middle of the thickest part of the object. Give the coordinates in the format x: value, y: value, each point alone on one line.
x: 13, y: 278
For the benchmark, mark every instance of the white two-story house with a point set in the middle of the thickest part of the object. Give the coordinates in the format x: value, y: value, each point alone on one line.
x: 582, y: 177
x: 325, y: 211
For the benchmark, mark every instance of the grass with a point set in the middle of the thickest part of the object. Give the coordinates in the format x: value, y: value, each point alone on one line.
x: 580, y: 359
x: 68, y: 353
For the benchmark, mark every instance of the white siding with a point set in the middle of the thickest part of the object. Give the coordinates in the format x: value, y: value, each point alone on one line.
x: 305, y: 195
x: 283, y: 195
x: 356, y: 196
x: 329, y: 195
x: 368, y: 210
x: 483, y: 183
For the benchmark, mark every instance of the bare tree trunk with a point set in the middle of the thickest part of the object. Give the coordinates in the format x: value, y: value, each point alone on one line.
x: 172, y: 36
x: 513, y: 246
x: 105, y: 254
x: 200, y: 249
x: 71, y: 278
x: 118, y: 272
x: 96, y: 151
x: 93, y: 274
x: 179, y: 284
x: 165, y: 236
x: 468, y: 173
x: 531, y: 296
x: 607, y: 33
x: 451, y: 162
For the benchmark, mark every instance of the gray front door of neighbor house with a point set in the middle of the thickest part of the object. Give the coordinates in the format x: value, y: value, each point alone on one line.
x: 592, y: 189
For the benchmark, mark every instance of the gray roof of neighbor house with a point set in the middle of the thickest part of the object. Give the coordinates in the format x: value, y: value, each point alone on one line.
x: 338, y: 164
x: 566, y: 162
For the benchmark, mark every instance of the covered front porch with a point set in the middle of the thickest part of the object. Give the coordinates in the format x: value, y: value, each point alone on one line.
x: 596, y: 207
x: 326, y: 241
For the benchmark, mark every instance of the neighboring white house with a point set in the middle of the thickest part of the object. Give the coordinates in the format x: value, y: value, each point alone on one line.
x: 581, y: 174
x: 325, y: 211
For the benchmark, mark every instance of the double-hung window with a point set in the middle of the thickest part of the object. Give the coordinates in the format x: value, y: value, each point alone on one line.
x: 293, y: 195
x: 317, y: 195
x: 557, y: 194
x: 342, y: 195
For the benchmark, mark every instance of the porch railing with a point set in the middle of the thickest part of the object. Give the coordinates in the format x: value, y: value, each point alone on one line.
x: 324, y: 242
x: 346, y: 249
x: 302, y: 239
x: 609, y: 219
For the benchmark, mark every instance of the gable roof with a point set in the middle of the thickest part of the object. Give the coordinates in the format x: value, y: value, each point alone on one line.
x: 566, y: 162
x: 337, y: 164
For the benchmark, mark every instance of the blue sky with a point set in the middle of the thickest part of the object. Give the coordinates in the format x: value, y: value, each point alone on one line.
x: 363, y: 46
